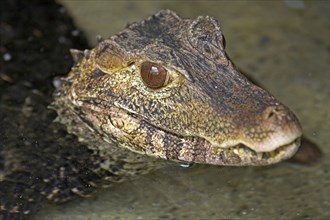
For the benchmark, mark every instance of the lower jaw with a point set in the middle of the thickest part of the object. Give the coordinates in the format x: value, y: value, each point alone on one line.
x: 281, y: 153
x: 242, y: 155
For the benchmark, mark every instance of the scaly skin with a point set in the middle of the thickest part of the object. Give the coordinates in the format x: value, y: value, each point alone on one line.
x: 204, y: 111
x: 207, y: 112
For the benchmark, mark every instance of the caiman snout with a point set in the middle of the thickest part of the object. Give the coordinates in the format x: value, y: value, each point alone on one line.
x: 277, y: 126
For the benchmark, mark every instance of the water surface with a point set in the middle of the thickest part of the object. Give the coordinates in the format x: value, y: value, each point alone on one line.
x: 284, y: 48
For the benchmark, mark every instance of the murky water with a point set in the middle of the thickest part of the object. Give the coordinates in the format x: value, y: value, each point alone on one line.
x: 287, y: 50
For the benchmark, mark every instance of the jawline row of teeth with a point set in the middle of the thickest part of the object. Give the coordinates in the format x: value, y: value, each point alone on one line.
x: 273, y: 153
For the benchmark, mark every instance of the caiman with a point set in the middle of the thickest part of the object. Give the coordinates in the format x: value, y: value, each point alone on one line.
x: 166, y: 88
x: 163, y: 89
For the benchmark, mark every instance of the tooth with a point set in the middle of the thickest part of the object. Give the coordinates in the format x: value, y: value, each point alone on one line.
x: 259, y: 155
x: 272, y: 153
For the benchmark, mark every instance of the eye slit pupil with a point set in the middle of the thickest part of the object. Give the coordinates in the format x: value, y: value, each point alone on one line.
x: 153, y: 75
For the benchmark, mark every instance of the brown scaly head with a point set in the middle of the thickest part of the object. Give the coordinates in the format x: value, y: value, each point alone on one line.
x: 166, y: 88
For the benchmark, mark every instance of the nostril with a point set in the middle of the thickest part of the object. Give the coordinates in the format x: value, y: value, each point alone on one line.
x: 270, y: 115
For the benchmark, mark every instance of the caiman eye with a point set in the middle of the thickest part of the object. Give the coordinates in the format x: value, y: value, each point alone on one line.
x: 153, y: 75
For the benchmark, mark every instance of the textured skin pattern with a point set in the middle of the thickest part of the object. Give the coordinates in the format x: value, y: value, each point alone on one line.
x: 207, y: 113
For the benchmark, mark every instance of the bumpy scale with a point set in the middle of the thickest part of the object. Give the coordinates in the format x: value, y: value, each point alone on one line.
x: 161, y: 90
x: 166, y: 88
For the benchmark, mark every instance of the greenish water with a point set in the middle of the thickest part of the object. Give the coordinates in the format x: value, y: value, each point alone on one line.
x: 285, y: 49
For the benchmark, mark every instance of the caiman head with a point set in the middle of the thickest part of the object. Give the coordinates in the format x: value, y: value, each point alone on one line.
x: 165, y: 87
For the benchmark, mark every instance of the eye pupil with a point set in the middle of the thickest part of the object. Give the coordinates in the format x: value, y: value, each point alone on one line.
x: 153, y: 75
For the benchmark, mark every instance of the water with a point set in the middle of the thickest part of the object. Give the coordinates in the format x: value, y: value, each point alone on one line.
x: 286, y: 49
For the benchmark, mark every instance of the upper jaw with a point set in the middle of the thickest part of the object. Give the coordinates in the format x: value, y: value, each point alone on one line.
x: 275, y: 140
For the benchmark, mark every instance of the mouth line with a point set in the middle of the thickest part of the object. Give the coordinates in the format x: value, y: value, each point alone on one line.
x: 286, y: 149
x: 281, y: 152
